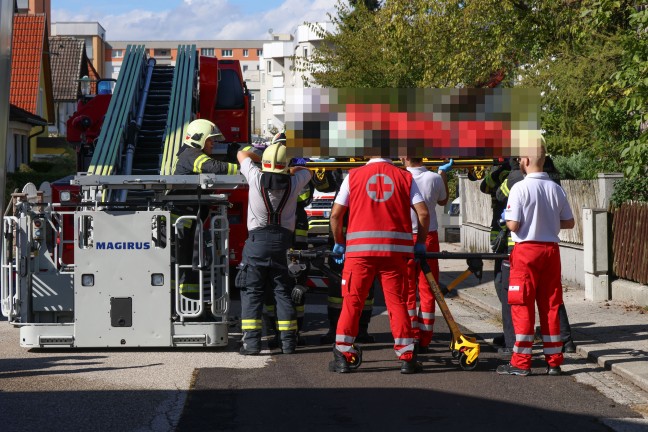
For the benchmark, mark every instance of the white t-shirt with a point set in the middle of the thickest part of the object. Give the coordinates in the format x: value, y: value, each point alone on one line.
x: 432, y: 189
x: 538, y: 204
x: 342, y: 197
x: 257, y: 216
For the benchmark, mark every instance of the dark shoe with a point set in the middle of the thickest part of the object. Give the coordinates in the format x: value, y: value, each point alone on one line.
x: 327, y: 339
x: 273, y: 343
x: 509, y: 369
x: 248, y: 352
x: 499, y: 340
x: 365, y: 338
x: 339, y: 363
x: 569, y: 346
x: 505, y: 352
x: 423, y: 349
x: 411, y: 367
x: 554, y: 371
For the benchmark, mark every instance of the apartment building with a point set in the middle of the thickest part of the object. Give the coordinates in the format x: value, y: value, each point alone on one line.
x: 278, y: 73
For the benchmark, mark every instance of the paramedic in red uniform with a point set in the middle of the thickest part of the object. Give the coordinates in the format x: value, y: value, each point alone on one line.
x: 434, y: 190
x: 537, y: 210
x: 378, y: 244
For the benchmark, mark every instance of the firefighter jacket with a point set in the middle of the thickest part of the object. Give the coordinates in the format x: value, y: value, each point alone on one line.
x: 379, y: 216
x: 192, y: 160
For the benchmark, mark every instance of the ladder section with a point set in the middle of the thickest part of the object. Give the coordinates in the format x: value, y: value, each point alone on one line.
x: 121, y: 110
x: 150, y: 141
x: 183, y: 94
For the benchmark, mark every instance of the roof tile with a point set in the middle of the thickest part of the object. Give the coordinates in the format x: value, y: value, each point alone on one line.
x: 27, y: 53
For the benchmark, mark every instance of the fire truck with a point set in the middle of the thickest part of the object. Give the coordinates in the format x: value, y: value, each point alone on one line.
x: 94, y: 264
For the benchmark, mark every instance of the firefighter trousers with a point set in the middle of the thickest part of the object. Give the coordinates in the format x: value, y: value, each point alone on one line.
x: 264, y: 268
x: 357, y: 278
x: 535, y: 278
x: 423, y: 319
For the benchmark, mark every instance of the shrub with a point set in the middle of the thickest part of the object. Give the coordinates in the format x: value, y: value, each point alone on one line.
x: 630, y: 189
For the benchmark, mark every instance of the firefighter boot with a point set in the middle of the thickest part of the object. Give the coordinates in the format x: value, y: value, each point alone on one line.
x: 363, y: 328
x: 333, y: 316
x: 339, y: 363
x: 410, y: 364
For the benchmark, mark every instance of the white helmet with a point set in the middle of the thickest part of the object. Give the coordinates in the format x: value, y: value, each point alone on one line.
x: 199, y: 130
x: 274, y: 159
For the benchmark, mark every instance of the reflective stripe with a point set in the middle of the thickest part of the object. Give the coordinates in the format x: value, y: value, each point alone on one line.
x: 301, y: 232
x: 343, y: 339
x: 504, y: 188
x: 300, y: 308
x: 250, y: 324
x: 286, y: 325
x: 346, y: 348
x: 426, y: 315
x: 426, y: 327
x: 232, y: 169
x: 303, y: 196
x: 552, y: 350
x: 551, y: 338
x: 336, y: 300
x: 523, y: 338
x: 411, y: 312
x: 408, y: 348
x: 380, y: 248
x: 522, y: 350
x: 379, y: 234
x: 188, y: 288
x: 198, y: 163
x: 403, y: 341
x: 369, y: 302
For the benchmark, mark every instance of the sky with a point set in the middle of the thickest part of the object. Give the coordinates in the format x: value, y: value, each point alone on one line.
x: 145, y: 20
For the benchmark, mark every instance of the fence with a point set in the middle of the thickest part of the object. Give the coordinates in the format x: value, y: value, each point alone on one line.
x: 630, y: 242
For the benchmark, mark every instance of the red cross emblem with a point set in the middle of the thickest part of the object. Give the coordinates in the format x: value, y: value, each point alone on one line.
x: 380, y: 187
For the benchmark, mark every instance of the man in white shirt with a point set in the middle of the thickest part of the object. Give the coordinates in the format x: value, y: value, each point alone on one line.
x: 536, y: 211
x: 434, y: 189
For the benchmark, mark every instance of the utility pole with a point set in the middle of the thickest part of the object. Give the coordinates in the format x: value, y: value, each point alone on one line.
x: 6, y: 29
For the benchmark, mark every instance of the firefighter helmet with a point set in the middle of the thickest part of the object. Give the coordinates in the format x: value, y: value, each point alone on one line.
x: 279, y: 138
x: 199, y: 130
x: 274, y: 159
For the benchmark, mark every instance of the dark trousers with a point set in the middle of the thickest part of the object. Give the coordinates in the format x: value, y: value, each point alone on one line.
x: 265, y: 268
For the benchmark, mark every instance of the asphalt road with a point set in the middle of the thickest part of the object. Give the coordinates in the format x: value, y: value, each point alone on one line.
x: 159, y: 390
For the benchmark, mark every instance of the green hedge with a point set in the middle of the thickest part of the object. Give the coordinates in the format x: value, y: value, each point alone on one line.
x: 632, y: 189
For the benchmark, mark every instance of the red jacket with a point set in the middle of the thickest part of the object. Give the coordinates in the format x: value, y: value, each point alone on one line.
x: 379, y: 211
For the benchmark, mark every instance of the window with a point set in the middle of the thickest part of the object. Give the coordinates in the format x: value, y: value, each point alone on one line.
x: 163, y: 52
x: 269, y: 66
x: 246, y: 53
x: 207, y: 52
x: 269, y: 95
x: 117, y: 53
x: 259, y: 52
x: 245, y: 68
x: 226, y: 53
x: 252, y: 97
x: 257, y: 66
x: 305, y: 52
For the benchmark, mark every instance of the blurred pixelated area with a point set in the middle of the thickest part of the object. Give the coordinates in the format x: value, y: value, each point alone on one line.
x: 430, y: 123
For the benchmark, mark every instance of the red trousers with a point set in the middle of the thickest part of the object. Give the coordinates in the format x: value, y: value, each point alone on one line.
x: 423, y: 320
x: 357, y: 277
x: 535, y: 278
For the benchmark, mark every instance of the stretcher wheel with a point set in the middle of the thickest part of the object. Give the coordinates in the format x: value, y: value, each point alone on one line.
x: 455, y: 354
x: 465, y: 366
x: 357, y: 360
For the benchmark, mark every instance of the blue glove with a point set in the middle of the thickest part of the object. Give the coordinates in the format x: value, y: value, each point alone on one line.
x: 338, y: 250
x: 299, y: 161
x: 419, y: 250
x: 503, y: 215
x: 260, y: 145
x: 447, y: 167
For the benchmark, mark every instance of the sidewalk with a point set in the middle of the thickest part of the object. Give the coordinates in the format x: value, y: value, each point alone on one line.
x: 612, y: 333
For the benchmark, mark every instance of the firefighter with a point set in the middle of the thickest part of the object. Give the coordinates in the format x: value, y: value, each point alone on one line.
x: 330, y: 181
x: 537, y: 209
x: 271, y: 223
x: 194, y: 158
x: 376, y: 246
x: 434, y: 189
x: 502, y: 196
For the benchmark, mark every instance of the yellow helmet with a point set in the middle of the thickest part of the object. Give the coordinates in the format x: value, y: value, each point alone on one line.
x: 274, y: 159
x: 199, y: 130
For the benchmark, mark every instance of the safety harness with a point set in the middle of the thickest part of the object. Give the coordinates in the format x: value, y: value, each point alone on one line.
x: 275, y: 181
